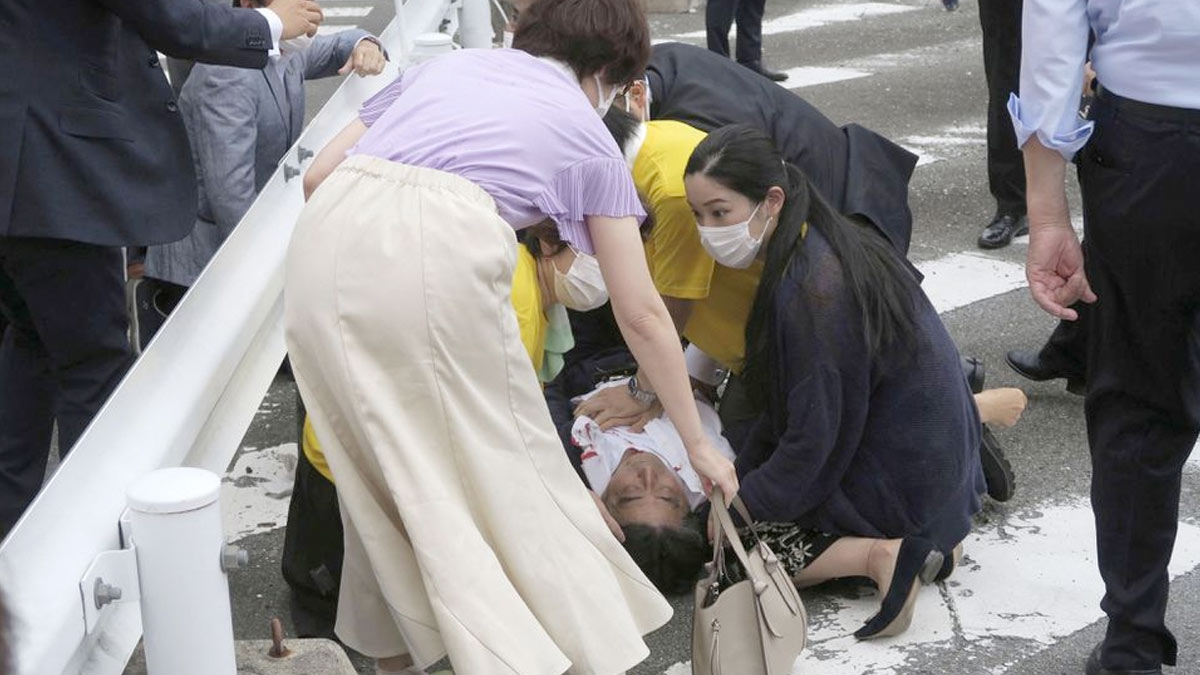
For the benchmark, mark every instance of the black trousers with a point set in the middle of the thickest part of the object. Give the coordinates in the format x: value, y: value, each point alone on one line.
x: 718, y: 19
x: 1001, y: 24
x: 1137, y: 175
x: 1066, y: 349
x: 64, y: 351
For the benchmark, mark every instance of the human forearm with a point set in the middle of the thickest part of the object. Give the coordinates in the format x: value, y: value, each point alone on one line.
x: 1045, y: 191
x: 332, y: 155
x: 645, y: 323
x: 1054, y: 262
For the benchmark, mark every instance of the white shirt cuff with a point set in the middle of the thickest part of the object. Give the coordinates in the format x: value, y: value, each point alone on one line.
x: 276, y: 25
x: 1070, y: 137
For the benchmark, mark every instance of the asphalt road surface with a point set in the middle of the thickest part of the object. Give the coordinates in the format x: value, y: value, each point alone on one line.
x: 1026, y: 600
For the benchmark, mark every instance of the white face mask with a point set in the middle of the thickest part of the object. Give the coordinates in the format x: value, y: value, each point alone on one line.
x: 582, y: 287
x: 605, y: 102
x: 733, y: 245
x: 507, y: 40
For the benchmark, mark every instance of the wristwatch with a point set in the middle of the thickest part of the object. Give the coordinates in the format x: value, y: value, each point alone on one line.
x: 643, y: 396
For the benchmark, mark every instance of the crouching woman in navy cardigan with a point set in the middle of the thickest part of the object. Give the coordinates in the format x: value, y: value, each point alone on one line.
x: 864, y: 460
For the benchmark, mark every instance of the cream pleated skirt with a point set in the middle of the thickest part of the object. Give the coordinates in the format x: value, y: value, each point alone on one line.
x: 467, y: 530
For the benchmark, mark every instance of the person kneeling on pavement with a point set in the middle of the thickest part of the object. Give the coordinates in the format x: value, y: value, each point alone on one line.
x: 863, y: 459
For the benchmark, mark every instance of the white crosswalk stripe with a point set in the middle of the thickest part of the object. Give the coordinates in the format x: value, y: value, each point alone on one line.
x: 341, y: 12
x: 816, y: 17
x: 331, y: 29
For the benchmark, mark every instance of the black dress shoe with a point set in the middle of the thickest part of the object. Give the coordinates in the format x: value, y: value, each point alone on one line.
x: 1093, y: 667
x: 974, y: 372
x: 1031, y: 366
x: 1000, y: 232
x: 997, y: 471
x: 772, y: 75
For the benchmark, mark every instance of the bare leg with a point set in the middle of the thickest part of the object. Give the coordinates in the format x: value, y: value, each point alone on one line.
x: 853, y: 557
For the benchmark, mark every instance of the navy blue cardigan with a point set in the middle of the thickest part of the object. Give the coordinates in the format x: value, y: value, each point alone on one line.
x: 858, y: 443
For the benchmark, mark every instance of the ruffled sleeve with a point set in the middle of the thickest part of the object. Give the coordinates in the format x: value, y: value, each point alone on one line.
x: 598, y: 186
x: 373, y: 108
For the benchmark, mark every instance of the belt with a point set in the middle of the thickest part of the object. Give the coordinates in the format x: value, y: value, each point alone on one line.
x: 1150, y: 110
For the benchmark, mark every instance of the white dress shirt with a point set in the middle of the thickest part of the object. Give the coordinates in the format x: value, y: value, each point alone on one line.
x: 1145, y: 50
x: 603, y: 450
x: 276, y: 27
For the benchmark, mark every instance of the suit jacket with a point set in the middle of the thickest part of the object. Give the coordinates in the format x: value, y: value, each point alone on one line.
x: 858, y: 171
x: 240, y: 123
x: 92, y: 147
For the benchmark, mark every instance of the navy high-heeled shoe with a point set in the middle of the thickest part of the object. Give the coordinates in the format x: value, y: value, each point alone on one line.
x: 917, y: 558
x: 948, y: 565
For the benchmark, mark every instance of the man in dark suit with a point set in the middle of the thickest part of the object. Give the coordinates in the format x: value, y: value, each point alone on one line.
x: 719, y: 16
x: 861, y: 173
x: 1001, y: 24
x: 93, y: 158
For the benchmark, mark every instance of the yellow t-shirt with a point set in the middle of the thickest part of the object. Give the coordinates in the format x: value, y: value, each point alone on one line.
x: 527, y: 302
x: 680, y: 266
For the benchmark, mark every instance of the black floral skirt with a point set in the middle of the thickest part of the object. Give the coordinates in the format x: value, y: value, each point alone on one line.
x: 795, y: 546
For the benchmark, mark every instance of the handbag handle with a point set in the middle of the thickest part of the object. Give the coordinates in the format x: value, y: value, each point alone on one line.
x: 725, y: 528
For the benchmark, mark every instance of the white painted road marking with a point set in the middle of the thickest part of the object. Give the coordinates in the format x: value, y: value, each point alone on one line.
x: 256, y: 492
x: 816, y: 17
x: 949, y: 142
x: 330, y: 29
x: 1048, y: 553
x: 337, y: 12
x: 809, y: 76
x: 962, y: 279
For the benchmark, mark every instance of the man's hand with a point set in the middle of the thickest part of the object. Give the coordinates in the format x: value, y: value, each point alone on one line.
x: 1054, y: 264
x: 614, y: 407
x: 299, y: 17
x: 1054, y: 269
x: 366, y: 59
x: 612, y: 523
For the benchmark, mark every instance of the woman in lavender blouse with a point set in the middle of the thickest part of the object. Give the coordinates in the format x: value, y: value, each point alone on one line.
x: 467, y: 530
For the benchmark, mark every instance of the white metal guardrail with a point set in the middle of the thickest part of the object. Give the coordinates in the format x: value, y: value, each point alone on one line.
x: 187, y: 402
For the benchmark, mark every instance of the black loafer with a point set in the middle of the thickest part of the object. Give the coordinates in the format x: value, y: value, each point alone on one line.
x: 1093, y: 667
x: 1000, y: 232
x: 997, y: 471
x: 1031, y: 366
x: 974, y: 371
x: 773, y: 75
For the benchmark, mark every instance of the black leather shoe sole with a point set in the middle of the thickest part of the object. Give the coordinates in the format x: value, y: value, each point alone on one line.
x: 975, y: 373
x: 1093, y: 667
x: 997, y: 471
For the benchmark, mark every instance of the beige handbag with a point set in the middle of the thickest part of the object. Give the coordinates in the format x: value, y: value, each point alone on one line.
x: 756, y: 626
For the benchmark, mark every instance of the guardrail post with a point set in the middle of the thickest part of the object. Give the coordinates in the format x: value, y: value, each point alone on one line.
x: 186, y: 617
x: 475, y: 24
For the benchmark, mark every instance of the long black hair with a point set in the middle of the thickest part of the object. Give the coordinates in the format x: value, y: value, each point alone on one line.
x: 743, y: 159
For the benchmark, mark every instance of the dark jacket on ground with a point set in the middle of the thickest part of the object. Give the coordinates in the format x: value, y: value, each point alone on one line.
x: 858, y: 171
x: 854, y: 442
